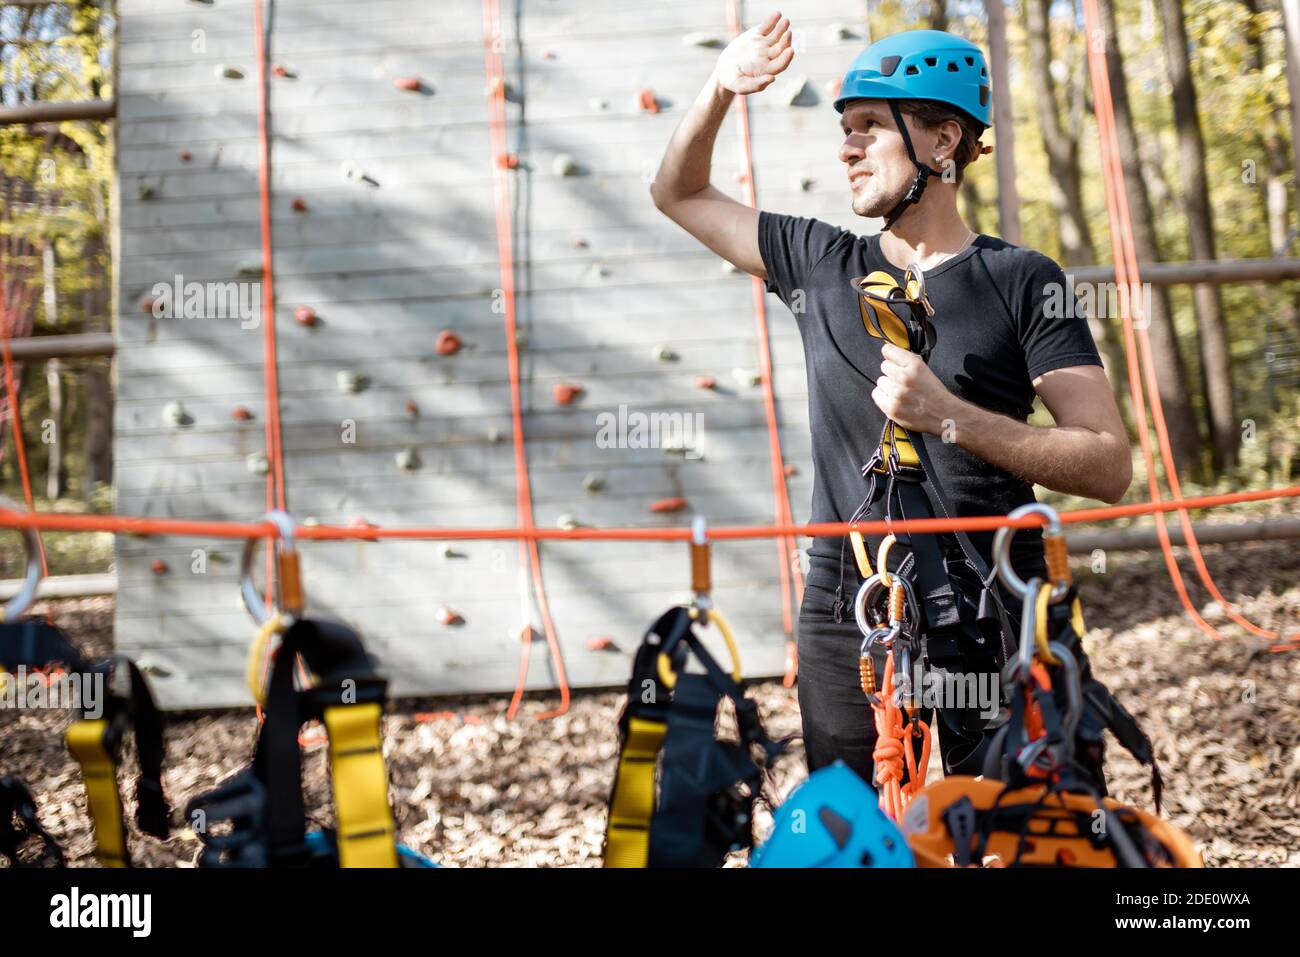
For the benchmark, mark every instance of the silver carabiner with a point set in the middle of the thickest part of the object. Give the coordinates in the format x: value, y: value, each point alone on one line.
x: 16, y: 606
x: 1002, y: 546
x: 248, y: 590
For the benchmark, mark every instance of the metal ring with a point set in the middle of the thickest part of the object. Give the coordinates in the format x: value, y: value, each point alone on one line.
x: 253, y: 601
x: 1002, y: 544
x: 17, y: 605
x: 867, y: 594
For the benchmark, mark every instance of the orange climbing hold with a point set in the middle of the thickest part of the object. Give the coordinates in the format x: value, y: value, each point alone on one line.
x: 240, y: 413
x: 706, y: 382
x: 566, y: 392
x: 305, y: 316
x: 446, y: 616
x: 299, y: 205
x: 411, y: 408
x: 669, y: 505
x: 508, y: 161
x: 647, y: 101
x: 600, y: 643
x: 409, y: 83
x: 448, y: 343
x: 159, y: 567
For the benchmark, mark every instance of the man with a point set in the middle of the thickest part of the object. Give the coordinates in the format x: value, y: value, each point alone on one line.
x: 912, y: 109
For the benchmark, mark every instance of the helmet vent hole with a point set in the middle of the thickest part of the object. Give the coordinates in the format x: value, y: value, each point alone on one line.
x: 952, y: 67
x: 888, y: 65
x: 913, y: 71
x: 866, y: 859
x: 931, y: 61
x: 970, y: 61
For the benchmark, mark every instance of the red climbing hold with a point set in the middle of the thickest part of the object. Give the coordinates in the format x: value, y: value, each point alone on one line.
x: 280, y: 70
x: 411, y: 408
x: 669, y: 505
x: 791, y: 469
x: 448, y: 343
x: 600, y: 643
x: 299, y: 205
x: 159, y: 567
x: 185, y: 156
x: 146, y: 305
x: 648, y: 102
x: 566, y: 392
x: 305, y: 316
x: 411, y: 83
x: 240, y: 413
x: 579, y: 243
x: 448, y: 617
x: 508, y: 161
x: 705, y: 382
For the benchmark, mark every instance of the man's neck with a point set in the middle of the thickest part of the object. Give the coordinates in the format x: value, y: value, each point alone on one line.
x: 924, y: 236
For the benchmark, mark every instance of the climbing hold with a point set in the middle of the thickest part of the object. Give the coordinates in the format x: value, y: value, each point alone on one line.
x: 228, y: 72
x: 705, y: 382
x: 184, y: 156
x: 257, y: 463
x: 251, y: 270
x: 838, y: 32
x: 664, y: 354
x: 352, y: 171
x: 446, y: 616
x: 240, y: 413
x: 449, y: 553
x: 599, y: 270
x: 311, y: 521
x: 147, y: 304
x: 349, y: 381
x: 494, y: 435
x: 284, y: 72
x: 598, y: 103
x: 497, y: 85
x: 705, y: 41
x: 806, y: 183
x: 567, y: 522
x: 408, y: 460
x: 564, y: 165
x: 305, y: 316
x: 548, y: 54
x: 299, y: 205
x: 747, y: 377
x: 174, y: 414
x: 409, y: 83
x: 729, y: 267
x: 669, y: 505
x: 647, y: 101
x: 601, y: 643
x: 526, y: 634
x: 508, y: 161
x: 593, y: 482
x: 159, y: 567
x: 798, y: 92
x: 521, y: 339
x: 412, y: 409
x: 579, y: 242
x: 566, y: 392
x: 144, y: 191
x: 790, y: 469
x: 448, y: 343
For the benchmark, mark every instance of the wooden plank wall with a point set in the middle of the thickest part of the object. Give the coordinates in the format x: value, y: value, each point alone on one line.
x: 387, y: 262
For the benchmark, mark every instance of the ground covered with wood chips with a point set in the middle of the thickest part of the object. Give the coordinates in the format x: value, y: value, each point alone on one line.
x: 473, y: 789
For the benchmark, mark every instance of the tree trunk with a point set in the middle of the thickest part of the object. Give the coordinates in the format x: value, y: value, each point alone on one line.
x: 54, y: 384
x: 1216, y: 360
x: 935, y: 14
x: 1171, y: 379
x: 1005, y: 131
x: 1065, y: 182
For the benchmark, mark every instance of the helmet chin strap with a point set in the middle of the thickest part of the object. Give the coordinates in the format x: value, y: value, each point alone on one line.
x: 923, y: 172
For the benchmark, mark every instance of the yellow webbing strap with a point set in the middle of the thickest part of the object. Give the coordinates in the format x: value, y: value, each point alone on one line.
x: 627, y: 838
x: 860, y: 553
x: 85, y: 740
x: 366, y: 834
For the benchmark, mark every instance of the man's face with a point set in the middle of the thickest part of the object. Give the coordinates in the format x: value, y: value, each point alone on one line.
x: 875, y: 158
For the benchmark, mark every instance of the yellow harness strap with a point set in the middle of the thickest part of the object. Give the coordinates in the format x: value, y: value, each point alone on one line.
x: 366, y: 834
x: 86, y: 741
x: 627, y: 842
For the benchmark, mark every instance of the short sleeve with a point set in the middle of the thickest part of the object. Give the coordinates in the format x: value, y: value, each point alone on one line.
x: 1053, y: 325
x: 791, y: 247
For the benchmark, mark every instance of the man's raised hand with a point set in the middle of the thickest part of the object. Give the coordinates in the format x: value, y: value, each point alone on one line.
x: 751, y: 62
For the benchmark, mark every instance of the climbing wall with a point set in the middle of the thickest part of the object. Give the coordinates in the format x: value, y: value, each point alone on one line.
x: 385, y: 239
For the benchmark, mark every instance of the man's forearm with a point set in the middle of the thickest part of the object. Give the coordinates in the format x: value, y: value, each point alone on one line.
x: 684, y: 170
x: 1068, y: 459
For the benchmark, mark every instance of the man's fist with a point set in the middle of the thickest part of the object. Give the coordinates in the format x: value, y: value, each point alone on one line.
x: 911, y: 394
x: 751, y: 62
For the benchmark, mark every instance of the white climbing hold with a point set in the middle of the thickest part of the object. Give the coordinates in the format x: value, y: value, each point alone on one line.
x: 408, y: 460
x: 706, y: 41
x: 174, y: 414
x: 599, y: 270
x: 746, y: 377
x: 806, y: 183
x: 795, y: 91
x: 349, y: 381
x: 494, y: 435
x: 593, y: 482
x: 567, y: 522
x: 257, y: 463
x: 353, y: 171
x: 311, y: 521
x: 598, y: 103
x: 838, y: 32
x: 564, y: 165
x: 663, y: 353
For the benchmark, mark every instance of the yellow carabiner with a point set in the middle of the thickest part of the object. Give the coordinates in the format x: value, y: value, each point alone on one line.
x: 881, y: 554
x: 668, y: 678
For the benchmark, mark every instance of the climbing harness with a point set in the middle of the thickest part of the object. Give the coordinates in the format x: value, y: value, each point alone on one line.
x: 832, y: 820
x: 928, y: 615
x: 706, y: 787
x: 919, y: 65
x: 19, y: 824
x: 121, y: 703
x: 262, y: 806
x: 1042, y: 800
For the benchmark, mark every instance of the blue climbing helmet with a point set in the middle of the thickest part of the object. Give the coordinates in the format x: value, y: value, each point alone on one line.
x: 919, y: 65
x: 833, y: 820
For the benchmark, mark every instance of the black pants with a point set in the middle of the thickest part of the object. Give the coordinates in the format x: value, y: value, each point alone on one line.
x: 838, y: 721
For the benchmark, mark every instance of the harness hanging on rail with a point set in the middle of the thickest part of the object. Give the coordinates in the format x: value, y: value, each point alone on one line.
x: 699, y: 805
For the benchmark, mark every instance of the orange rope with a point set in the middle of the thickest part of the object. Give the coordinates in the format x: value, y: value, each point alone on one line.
x: 787, y: 549
x: 1128, y: 279
x: 895, y: 750
x: 496, y: 93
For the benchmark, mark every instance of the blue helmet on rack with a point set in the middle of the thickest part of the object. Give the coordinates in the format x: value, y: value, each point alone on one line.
x: 919, y: 65
x: 833, y: 820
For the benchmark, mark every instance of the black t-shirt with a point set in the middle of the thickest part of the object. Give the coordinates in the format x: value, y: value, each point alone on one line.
x: 996, y: 333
